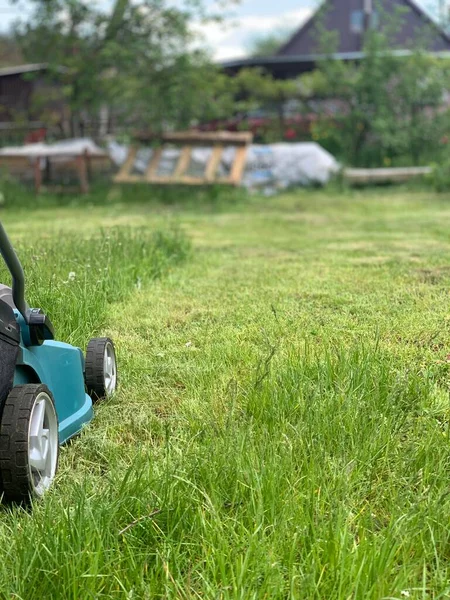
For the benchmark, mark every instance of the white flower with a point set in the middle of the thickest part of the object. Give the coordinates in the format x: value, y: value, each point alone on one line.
x: 188, y: 344
x: 405, y: 594
x: 72, y: 276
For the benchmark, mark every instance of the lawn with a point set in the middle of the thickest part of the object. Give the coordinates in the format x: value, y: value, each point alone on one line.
x: 282, y: 424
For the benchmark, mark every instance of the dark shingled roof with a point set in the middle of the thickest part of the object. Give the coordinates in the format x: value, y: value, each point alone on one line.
x: 335, y: 15
x: 303, y: 50
x: 25, y: 69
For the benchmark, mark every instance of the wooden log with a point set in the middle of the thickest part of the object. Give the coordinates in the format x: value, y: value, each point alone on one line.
x: 391, y: 175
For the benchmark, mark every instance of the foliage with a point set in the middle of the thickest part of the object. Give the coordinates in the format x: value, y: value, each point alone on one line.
x: 254, y: 89
x: 440, y: 176
x: 270, y: 43
x: 441, y: 11
x: 138, y: 62
x: 385, y: 109
x: 10, y: 54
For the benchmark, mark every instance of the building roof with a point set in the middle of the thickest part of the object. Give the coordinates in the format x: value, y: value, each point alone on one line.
x: 250, y: 62
x: 335, y: 15
x: 291, y: 66
x: 302, y: 52
x: 24, y: 69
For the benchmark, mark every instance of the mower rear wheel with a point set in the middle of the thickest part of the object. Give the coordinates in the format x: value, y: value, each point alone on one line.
x: 100, y: 368
x: 29, y: 443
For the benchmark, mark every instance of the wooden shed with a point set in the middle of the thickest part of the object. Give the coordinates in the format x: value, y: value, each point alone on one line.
x: 28, y: 91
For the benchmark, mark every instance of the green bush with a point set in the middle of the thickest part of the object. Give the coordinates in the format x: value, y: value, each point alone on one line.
x: 440, y: 176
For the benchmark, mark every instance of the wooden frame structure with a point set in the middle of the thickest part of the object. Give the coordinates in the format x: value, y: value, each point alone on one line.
x: 81, y: 164
x: 186, y: 141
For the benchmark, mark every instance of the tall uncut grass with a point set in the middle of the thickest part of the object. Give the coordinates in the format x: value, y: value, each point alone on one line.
x: 74, y: 278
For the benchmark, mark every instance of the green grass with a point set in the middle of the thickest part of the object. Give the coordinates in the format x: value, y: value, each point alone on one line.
x: 77, y: 277
x: 282, y: 425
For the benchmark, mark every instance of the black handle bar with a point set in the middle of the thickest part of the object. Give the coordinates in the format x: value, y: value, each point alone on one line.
x: 15, y: 268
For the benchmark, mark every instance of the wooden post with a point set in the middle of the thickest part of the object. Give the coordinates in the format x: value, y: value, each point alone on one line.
x: 37, y: 175
x: 82, y: 173
x: 48, y: 171
x: 87, y: 157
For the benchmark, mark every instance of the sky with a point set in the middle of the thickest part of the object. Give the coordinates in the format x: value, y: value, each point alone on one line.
x: 247, y: 21
x: 253, y: 19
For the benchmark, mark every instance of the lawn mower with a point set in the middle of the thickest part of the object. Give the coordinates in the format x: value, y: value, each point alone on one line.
x: 47, y: 388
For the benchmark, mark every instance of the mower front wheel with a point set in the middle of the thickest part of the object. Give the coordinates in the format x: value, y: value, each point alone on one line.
x: 29, y: 444
x: 100, y: 368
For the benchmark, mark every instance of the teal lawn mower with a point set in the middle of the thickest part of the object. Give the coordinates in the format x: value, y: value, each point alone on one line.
x: 47, y: 388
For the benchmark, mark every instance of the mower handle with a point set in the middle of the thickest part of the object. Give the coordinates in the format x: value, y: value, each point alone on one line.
x: 15, y: 268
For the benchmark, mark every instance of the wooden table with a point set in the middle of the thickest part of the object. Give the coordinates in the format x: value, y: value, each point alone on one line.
x: 81, y: 163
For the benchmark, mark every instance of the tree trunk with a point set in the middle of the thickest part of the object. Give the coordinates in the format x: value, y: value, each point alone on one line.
x: 281, y: 118
x: 116, y: 18
x: 104, y: 121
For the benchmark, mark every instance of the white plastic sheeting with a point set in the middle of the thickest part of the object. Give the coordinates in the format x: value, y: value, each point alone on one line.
x: 270, y: 167
x: 66, y: 148
x: 284, y: 165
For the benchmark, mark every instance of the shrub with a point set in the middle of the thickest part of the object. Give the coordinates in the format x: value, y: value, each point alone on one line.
x: 440, y: 176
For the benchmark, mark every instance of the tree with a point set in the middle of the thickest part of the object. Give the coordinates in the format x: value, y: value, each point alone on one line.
x: 440, y: 10
x: 255, y: 89
x: 10, y: 53
x: 138, y: 61
x: 384, y: 108
x: 269, y: 44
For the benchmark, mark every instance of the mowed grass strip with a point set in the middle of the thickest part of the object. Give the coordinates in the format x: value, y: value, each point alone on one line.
x: 281, y: 430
